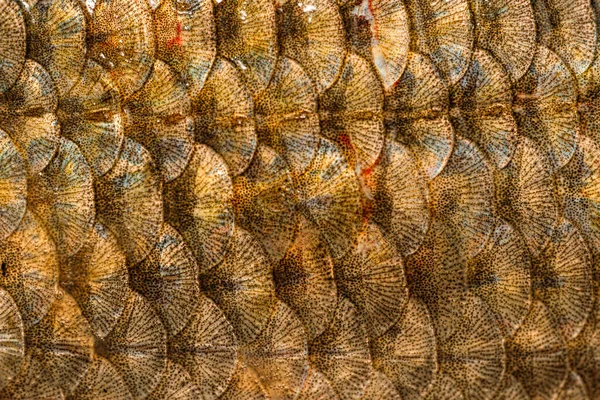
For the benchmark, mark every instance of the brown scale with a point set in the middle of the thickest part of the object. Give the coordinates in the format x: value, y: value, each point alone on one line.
x: 351, y: 111
x: 12, y: 344
x: 265, y: 202
x: 91, y: 115
x: 562, y: 279
x: 507, y: 30
x: 13, y: 44
x: 62, y: 196
x: 129, y: 201
x: 568, y: 28
x: 63, y: 342
x: 416, y: 114
x: 206, y: 348
x: 536, y: 354
x: 224, y: 116
x: 247, y: 35
x: 342, y: 354
x: 379, y: 32
x: 30, y: 269
x: 159, y: 119
x: 583, y: 353
x: 407, y: 352
x: 102, y: 382
x: 57, y: 40
x: 245, y: 385
x: 121, y: 39
x: 186, y: 39
x: 501, y: 276
x: 168, y: 277
x: 136, y: 346
x: 317, y: 386
x: 27, y: 116
x: 482, y: 108
x: 304, y: 279
x: 372, y: 276
x: 96, y: 276
x: 312, y: 33
x: 279, y: 354
x: 176, y: 384
x: 286, y: 115
x: 242, y: 286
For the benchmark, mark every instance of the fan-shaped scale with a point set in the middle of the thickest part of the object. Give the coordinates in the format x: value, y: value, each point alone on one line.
x: 589, y: 90
x: 62, y: 196
x: 33, y: 382
x: 578, y: 186
x: 27, y: 115
x: 341, y: 352
x: 90, y: 114
x: 199, y: 204
x: 444, y: 388
x: 526, y: 195
x: 287, y: 118
x: 63, y: 342
x: 207, y: 349
x: 584, y: 358
x: 511, y: 389
x: 351, y: 111
x: 372, y: 277
x: 279, y: 354
x: 437, y: 275
x: 12, y: 43
x: 137, y: 346
x: 569, y: 29
x: 462, y: 195
x: 224, y: 116
x: 312, y: 33
x: 160, y: 120
x: 474, y: 355
x: 483, y: 100
x: 245, y: 385
x: 30, y: 269
x: 96, y: 276
x: 242, y: 286
x: 562, y: 279
x: 121, y: 39
x: 168, y: 278
x: 329, y: 197
x: 501, y: 276
x: 304, y: 279
x: 537, y: 354
x: 574, y: 389
x: 417, y: 114
x: 176, y: 384
x: 379, y: 31
x: 56, y: 34
x: 380, y: 387
x: 546, y: 106
x: 265, y: 202
x: 247, y: 35
x: 399, y: 197
x: 317, y: 387
x: 444, y: 31
x: 506, y: 28
x: 13, y: 186
x: 102, y: 382
x: 186, y: 39
x: 129, y: 201
x: 407, y: 352
x: 12, y: 339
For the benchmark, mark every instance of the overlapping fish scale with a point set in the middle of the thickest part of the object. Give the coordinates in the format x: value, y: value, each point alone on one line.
x: 311, y: 199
